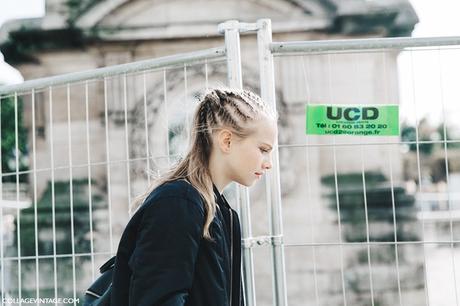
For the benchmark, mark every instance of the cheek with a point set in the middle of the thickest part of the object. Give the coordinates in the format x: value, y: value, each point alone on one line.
x: 253, y: 158
x: 248, y: 158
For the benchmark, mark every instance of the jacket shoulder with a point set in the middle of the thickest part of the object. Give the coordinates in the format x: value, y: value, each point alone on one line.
x: 181, y: 189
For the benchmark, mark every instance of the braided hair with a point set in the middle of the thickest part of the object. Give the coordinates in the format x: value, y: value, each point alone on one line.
x: 234, y: 109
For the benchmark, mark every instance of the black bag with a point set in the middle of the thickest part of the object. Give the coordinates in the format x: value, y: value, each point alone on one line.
x: 98, y: 294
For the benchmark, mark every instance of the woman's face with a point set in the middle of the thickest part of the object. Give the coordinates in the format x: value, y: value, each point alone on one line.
x: 250, y: 157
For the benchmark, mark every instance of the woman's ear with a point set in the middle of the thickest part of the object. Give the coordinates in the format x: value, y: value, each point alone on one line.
x: 224, y: 140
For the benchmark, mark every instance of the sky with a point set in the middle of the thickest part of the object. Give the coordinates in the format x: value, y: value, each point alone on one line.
x: 11, y: 9
x: 437, y: 18
x: 430, y: 78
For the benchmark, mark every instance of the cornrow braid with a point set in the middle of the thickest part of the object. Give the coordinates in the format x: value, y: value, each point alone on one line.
x: 203, y: 112
x: 238, y: 111
x: 241, y: 97
x: 207, y: 111
x: 247, y: 95
x: 229, y: 101
x: 222, y: 111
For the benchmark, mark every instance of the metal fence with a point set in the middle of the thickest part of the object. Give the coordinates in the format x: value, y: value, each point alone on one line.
x: 93, y: 137
x: 354, y: 231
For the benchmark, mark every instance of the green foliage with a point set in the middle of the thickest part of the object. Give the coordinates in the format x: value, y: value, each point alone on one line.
x: 448, y: 136
x: 427, y: 132
x: 409, y: 134
x: 378, y: 198
x: 8, y: 139
x: 62, y: 221
x: 62, y: 208
x: 78, y: 7
x: 353, y: 179
x: 23, y: 45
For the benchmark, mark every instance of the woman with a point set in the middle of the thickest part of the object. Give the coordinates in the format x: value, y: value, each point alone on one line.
x: 183, y: 244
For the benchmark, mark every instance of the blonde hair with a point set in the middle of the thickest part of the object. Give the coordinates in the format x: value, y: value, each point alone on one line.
x: 219, y: 108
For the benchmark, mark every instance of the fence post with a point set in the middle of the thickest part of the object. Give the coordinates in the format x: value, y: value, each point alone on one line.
x: 268, y: 94
x: 231, y: 29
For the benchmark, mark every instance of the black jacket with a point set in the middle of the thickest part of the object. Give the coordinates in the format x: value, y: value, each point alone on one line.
x: 163, y: 260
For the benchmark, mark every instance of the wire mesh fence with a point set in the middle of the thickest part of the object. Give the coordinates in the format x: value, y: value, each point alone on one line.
x: 340, y: 220
x: 368, y: 219
x: 82, y: 146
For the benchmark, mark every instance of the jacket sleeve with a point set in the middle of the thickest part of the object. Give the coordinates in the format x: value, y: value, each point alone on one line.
x: 163, y: 260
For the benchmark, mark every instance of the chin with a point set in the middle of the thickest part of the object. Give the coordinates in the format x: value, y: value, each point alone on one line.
x: 246, y: 183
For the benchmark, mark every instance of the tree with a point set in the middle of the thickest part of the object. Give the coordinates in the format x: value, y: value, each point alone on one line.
x: 8, y: 139
x: 425, y: 133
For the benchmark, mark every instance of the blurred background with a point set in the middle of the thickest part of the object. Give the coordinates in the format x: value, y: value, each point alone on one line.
x: 69, y: 169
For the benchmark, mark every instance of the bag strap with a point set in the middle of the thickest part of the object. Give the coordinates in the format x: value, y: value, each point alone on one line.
x: 107, y: 265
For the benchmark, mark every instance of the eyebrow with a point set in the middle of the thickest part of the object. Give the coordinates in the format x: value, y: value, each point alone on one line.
x: 266, y: 144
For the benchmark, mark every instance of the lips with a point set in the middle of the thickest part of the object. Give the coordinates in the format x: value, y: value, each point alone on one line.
x: 258, y: 173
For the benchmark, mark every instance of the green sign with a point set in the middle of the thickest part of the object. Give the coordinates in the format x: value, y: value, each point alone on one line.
x: 354, y: 120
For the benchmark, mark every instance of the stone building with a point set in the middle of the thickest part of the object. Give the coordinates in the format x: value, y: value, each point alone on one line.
x: 80, y: 35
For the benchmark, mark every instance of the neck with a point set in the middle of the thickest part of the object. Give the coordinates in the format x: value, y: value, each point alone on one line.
x: 218, y: 174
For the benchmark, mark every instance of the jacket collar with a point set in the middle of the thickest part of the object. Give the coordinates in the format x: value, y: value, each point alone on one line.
x: 220, y: 199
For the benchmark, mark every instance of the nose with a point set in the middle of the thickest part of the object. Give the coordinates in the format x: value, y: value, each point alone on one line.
x: 267, y: 165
